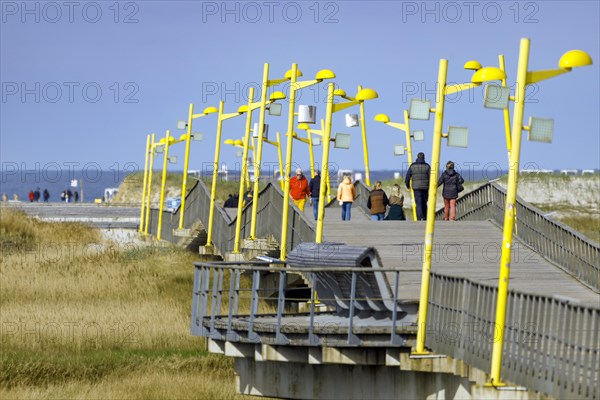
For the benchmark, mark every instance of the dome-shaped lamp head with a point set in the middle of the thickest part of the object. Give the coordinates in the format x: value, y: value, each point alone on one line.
x: 574, y: 59
x: 382, y: 118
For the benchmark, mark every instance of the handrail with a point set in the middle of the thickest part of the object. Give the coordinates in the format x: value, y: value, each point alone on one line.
x: 576, y: 254
x: 270, y: 209
x: 551, y: 344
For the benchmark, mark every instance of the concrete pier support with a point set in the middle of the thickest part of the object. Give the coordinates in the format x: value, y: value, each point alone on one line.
x: 296, y: 380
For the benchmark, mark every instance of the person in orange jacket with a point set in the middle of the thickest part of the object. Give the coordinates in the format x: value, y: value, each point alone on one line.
x: 299, y: 189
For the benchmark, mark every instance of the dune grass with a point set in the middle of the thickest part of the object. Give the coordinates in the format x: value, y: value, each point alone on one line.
x: 84, y: 318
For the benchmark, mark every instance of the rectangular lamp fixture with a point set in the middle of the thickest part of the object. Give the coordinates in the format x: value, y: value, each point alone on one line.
x: 458, y: 136
x: 398, y: 150
x: 419, y: 109
x: 541, y: 129
x: 342, y: 141
x: 496, y: 97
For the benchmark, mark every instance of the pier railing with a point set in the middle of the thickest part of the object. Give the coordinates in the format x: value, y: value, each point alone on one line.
x: 567, y: 248
x: 231, y: 302
x: 550, y: 345
x: 270, y: 212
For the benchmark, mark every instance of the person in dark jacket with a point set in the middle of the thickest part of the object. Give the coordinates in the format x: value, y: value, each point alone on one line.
x: 230, y: 202
x: 417, y: 177
x: 46, y: 195
x: 450, y: 179
x: 377, y: 202
x: 314, y: 187
x: 396, y: 203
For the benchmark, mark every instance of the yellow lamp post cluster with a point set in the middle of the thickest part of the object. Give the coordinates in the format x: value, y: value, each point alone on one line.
x: 260, y: 133
x: 498, y: 97
x: 569, y: 60
x: 362, y: 96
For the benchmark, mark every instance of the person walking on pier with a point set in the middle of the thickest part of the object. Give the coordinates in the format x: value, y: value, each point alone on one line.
x: 345, y: 195
x: 419, y: 172
x: 396, y: 203
x: 315, y: 188
x: 377, y: 202
x: 299, y: 189
x: 452, y: 182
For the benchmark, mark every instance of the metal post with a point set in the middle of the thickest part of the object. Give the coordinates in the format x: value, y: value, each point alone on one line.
x: 149, y: 184
x: 259, y: 146
x: 509, y: 214
x: 410, y: 159
x: 145, y: 182
x: 325, y: 163
x: 162, y: 186
x: 280, y: 157
x: 429, y: 230
x: 215, y: 176
x: 238, y: 221
x: 186, y: 161
x: 288, y: 164
x: 363, y: 128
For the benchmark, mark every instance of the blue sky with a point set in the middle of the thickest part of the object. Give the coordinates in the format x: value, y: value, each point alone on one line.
x: 85, y: 82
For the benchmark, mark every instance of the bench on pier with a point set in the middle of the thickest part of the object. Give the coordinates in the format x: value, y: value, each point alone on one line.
x: 373, y: 293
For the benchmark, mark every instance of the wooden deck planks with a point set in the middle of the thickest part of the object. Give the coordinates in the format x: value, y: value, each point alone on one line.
x: 468, y: 249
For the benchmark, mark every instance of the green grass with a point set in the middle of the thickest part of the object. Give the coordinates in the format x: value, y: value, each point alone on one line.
x: 113, y: 325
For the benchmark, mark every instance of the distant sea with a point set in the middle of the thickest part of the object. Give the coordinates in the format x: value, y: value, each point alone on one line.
x: 94, y: 183
x: 91, y: 183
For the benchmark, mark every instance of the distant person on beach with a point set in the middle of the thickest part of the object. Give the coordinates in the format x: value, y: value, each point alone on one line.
x: 451, y: 181
x: 31, y: 196
x: 36, y: 195
x: 69, y: 196
x: 63, y: 195
x: 15, y: 197
x: 4, y: 197
x: 76, y: 196
x: 46, y: 195
x: 417, y: 177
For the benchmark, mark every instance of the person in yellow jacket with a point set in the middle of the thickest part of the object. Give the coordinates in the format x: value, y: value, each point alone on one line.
x: 345, y: 195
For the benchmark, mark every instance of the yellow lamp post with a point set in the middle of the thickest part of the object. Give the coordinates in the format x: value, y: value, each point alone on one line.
x: 363, y: 129
x: 277, y: 144
x: 239, y: 143
x: 419, y: 111
x: 188, y: 137
x: 266, y: 83
x: 569, y: 60
x: 213, y: 191
x: 246, y: 141
x: 292, y: 75
x: 153, y: 150
x: 168, y: 140
x: 145, y: 182
x: 307, y: 140
x: 409, y: 135
x: 362, y: 96
x: 312, y: 144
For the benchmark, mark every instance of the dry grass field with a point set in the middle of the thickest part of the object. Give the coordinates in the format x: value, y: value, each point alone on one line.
x: 84, y: 318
